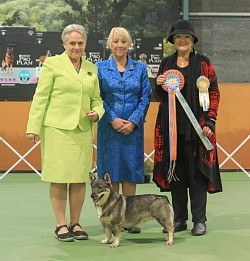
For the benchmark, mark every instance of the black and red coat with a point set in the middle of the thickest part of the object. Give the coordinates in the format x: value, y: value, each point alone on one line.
x: 207, y: 161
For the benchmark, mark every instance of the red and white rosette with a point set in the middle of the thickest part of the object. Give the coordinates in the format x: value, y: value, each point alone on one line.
x: 173, y: 84
x: 174, y: 81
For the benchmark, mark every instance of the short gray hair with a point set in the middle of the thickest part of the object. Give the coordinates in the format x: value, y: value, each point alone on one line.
x: 121, y: 31
x: 73, y: 28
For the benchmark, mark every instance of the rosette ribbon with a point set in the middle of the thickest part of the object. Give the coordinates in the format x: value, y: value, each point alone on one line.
x: 203, y: 85
x: 173, y: 84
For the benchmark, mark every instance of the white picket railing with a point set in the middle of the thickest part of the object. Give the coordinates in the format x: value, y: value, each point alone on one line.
x: 146, y: 156
x: 230, y: 156
x: 21, y: 158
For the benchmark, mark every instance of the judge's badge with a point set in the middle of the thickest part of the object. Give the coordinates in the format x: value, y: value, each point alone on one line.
x: 203, y: 85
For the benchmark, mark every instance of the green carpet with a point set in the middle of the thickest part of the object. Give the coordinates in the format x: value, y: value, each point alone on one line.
x: 27, y: 227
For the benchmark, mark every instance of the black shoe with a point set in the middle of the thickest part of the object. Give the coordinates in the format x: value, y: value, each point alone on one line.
x: 66, y: 237
x: 199, y: 229
x: 178, y: 226
x: 78, y: 234
x: 133, y: 230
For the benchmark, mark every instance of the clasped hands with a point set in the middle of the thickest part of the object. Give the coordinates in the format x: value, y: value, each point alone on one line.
x: 123, y: 126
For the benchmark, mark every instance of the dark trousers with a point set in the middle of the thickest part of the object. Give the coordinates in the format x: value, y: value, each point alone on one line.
x: 191, y: 182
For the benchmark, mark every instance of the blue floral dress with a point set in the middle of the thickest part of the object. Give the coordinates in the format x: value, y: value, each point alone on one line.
x: 125, y: 96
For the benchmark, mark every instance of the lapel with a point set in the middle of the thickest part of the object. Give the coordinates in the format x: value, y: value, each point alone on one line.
x: 84, y: 70
x: 128, y: 70
x: 70, y: 68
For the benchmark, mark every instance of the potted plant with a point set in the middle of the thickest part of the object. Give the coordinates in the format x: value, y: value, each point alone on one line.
x: 148, y: 168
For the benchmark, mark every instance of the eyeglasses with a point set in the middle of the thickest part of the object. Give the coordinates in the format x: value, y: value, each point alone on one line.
x: 183, y: 36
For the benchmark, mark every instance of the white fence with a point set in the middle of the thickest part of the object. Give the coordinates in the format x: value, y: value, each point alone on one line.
x: 229, y: 156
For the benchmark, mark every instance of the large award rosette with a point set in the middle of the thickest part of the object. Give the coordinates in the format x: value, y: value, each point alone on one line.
x: 173, y: 84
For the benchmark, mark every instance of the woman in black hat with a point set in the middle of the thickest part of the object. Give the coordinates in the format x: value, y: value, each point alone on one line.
x: 195, y: 170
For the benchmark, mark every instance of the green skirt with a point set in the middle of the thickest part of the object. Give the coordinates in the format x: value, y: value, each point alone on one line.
x: 66, y: 155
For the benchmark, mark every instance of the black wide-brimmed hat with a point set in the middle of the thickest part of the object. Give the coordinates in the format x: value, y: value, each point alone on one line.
x: 182, y: 27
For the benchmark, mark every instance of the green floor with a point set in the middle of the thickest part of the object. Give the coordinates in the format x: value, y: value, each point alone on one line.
x: 27, y: 227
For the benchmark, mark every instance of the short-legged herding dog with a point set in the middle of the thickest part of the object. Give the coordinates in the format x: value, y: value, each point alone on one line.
x: 116, y: 211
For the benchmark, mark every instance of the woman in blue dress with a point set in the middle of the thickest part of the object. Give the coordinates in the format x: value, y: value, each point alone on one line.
x: 125, y: 90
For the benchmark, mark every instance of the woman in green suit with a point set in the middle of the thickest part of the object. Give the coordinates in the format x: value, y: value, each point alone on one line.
x: 65, y: 105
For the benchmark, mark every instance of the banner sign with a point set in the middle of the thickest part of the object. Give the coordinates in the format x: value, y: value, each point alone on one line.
x: 95, y: 47
x: 23, y: 51
x: 17, y: 55
x: 149, y: 50
x: 48, y: 44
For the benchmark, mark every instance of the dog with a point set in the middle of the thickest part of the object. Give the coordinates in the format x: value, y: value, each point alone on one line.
x: 7, y: 62
x: 116, y: 211
x: 42, y: 58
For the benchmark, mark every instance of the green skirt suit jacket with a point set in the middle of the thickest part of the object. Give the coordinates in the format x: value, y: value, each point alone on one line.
x: 58, y: 115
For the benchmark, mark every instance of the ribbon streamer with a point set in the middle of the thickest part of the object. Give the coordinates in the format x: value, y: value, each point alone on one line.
x: 206, y: 142
x: 174, y: 80
x: 173, y: 84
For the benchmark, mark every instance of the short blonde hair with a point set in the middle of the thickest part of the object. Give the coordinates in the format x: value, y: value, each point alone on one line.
x: 122, y: 32
x: 73, y: 28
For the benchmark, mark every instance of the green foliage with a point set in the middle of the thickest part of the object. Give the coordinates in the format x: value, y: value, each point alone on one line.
x: 141, y: 17
x: 43, y: 15
x: 75, y: 14
x: 95, y: 15
x: 168, y: 48
x: 102, y: 15
x: 149, y: 18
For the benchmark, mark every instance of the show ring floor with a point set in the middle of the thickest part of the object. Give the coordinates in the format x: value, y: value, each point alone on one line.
x: 27, y: 227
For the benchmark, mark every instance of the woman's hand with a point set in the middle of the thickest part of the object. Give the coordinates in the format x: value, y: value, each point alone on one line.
x: 117, y: 124
x: 207, y: 131
x: 32, y: 137
x: 123, y: 126
x: 92, y: 115
x: 160, y: 79
x: 128, y: 127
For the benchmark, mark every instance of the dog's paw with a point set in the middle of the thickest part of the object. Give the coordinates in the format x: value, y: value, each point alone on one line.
x: 104, y: 241
x: 113, y: 245
x: 169, y: 242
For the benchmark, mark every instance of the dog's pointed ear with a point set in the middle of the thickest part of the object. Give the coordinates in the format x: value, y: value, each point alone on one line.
x: 92, y: 177
x: 107, y: 178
